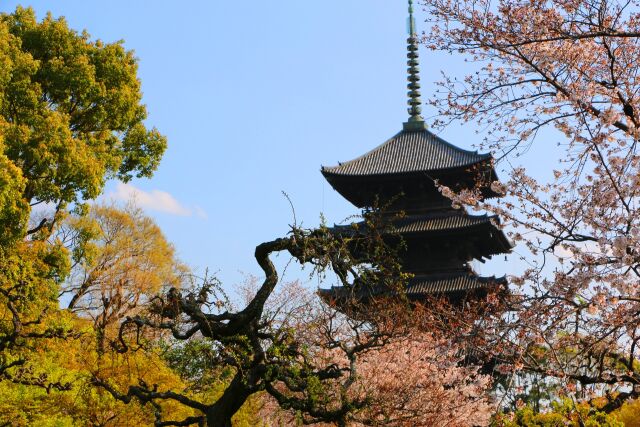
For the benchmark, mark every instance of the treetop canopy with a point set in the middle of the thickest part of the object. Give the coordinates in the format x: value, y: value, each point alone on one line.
x: 70, y: 111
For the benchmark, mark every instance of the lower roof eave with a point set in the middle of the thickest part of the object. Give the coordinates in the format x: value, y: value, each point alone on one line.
x: 422, y: 288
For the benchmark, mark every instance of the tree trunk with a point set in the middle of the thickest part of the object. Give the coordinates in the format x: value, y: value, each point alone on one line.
x: 220, y: 414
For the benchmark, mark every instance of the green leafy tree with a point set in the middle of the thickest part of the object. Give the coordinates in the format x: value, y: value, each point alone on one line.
x: 70, y: 118
x: 72, y: 110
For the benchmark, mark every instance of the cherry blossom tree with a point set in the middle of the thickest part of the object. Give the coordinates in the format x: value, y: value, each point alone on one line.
x: 415, y: 378
x: 419, y: 379
x: 570, y: 66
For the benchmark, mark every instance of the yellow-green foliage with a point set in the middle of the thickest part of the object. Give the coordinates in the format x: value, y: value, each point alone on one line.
x: 629, y: 414
x: 561, y: 414
x: 14, y: 210
x: 70, y: 118
x: 73, y: 362
x: 71, y: 109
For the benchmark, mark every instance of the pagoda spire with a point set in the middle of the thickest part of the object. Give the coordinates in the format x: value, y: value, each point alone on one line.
x: 415, y: 122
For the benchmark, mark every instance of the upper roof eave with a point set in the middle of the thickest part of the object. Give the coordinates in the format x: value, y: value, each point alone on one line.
x: 408, y: 152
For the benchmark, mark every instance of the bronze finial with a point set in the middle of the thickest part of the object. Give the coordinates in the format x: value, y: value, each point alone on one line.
x: 416, y: 122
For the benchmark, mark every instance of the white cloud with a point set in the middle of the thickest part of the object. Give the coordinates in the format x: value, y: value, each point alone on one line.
x: 200, y: 213
x: 155, y: 200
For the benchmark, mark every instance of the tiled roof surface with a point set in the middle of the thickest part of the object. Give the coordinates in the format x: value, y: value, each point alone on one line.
x: 428, y: 285
x: 420, y: 223
x: 425, y: 285
x: 420, y: 151
x: 442, y: 222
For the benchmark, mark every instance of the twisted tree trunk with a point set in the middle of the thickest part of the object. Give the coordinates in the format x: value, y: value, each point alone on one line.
x: 221, y: 412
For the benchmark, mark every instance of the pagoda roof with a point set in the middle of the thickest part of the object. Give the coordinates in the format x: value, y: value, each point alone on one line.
x: 439, y: 222
x: 423, y: 286
x: 442, y: 284
x: 497, y: 241
x: 430, y: 222
x: 427, y: 223
x: 408, y: 152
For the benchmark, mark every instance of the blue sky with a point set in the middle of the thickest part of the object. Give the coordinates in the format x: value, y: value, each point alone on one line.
x: 254, y: 97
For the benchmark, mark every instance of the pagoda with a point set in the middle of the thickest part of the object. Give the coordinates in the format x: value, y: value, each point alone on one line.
x: 407, y: 172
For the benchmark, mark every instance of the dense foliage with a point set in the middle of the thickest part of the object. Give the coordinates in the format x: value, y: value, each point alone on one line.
x: 70, y: 118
